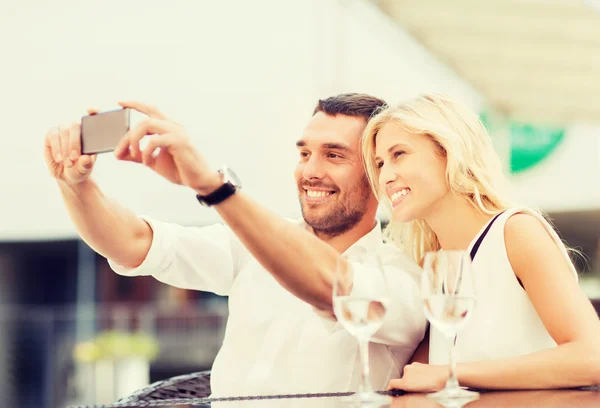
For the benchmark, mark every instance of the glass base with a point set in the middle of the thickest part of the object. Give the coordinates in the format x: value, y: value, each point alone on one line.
x: 367, y: 399
x: 454, y: 397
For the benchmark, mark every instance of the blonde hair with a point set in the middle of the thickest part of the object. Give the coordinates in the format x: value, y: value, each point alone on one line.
x: 473, y: 169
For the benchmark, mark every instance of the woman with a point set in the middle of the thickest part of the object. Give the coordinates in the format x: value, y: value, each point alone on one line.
x: 431, y: 163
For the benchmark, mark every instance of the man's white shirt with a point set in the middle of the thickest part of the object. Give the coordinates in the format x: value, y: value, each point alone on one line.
x: 274, y: 342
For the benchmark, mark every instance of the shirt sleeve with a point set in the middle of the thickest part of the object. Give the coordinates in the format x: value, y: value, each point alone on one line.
x: 206, y: 258
x: 404, y: 323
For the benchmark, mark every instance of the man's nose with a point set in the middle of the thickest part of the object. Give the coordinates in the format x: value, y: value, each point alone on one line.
x: 313, y: 169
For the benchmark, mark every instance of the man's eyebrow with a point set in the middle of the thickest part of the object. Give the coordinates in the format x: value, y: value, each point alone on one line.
x: 337, y: 146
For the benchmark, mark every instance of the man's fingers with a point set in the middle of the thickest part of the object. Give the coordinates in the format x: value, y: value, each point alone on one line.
x: 64, y: 145
x: 125, y: 154
x: 131, y: 141
x: 155, y: 142
x: 92, y: 158
x: 157, y: 123
x: 53, y: 142
x: 85, y: 163
x: 122, y: 148
x: 128, y: 157
x: 147, y: 109
x: 74, y: 141
x: 92, y: 111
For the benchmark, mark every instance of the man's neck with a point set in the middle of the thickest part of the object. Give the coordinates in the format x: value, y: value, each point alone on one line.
x: 345, y: 240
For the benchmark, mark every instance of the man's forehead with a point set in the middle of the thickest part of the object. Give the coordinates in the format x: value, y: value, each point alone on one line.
x: 325, y: 129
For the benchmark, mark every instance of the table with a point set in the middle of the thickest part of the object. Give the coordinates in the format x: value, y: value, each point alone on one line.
x: 581, y: 398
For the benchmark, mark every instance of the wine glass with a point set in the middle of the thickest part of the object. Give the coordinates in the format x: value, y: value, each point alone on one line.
x: 360, y: 299
x: 448, y: 288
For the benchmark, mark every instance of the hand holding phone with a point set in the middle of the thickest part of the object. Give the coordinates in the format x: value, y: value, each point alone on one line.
x: 101, y: 132
x: 70, y: 151
x: 62, y: 153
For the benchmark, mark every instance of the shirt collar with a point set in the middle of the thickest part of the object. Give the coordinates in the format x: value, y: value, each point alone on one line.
x: 370, y: 242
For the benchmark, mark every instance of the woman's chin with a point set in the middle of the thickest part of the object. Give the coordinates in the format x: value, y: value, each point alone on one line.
x: 401, y: 215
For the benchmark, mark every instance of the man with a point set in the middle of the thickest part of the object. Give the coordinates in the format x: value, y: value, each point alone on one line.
x: 280, y: 337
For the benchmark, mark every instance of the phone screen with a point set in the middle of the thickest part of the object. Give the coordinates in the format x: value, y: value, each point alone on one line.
x: 101, y: 132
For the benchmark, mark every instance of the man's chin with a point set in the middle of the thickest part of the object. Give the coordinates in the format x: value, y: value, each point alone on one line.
x: 315, y: 207
x: 315, y: 216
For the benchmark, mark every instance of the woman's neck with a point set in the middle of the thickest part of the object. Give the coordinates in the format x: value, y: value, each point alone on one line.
x: 456, y: 222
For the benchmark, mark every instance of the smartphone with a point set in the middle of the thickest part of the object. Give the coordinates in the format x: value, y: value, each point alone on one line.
x: 100, y: 133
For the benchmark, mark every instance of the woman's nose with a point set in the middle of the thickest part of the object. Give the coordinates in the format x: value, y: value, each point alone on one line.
x: 386, y: 175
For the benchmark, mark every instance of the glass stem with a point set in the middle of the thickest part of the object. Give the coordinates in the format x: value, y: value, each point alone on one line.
x: 452, y: 381
x: 364, y: 356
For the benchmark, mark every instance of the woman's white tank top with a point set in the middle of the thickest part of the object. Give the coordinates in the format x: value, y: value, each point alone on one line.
x: 504, y: 322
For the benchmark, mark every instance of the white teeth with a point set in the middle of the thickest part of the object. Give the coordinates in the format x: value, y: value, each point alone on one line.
x: 316, y: 194
x: 399, y: 194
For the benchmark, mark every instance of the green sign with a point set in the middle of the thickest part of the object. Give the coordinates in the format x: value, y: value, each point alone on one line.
x: 529, y: 144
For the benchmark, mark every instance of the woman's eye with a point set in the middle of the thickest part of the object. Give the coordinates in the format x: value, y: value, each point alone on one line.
x: 303, y: 154
x: 379, y: 165
x: 398, y: 154
x: 333, y: 156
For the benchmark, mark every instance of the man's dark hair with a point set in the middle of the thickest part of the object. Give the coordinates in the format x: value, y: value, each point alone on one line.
x: 350, y: 104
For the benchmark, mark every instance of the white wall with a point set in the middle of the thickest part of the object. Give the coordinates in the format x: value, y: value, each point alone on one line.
x: 242, y: 76
x: 382, y: 59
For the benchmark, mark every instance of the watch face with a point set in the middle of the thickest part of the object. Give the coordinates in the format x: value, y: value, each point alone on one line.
x: 229, y: 176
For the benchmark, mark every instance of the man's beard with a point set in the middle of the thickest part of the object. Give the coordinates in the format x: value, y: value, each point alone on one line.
x: 343, y: 214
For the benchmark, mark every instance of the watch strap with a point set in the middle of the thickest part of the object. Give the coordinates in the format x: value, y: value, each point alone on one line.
x: 219, y: 195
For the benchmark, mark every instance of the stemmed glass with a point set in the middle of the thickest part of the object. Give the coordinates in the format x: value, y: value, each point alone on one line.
x: 448, y: 288
x: 360, y: 299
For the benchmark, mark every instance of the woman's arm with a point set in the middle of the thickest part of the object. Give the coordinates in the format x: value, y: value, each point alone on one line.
x: 562, y: 306
x: 564, y: 309
x: 421, y: 354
